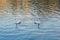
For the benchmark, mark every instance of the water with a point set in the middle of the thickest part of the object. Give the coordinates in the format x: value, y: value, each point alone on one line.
x: 28, y: 12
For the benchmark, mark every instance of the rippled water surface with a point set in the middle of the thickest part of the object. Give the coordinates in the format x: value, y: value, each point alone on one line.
x: 29, y: 19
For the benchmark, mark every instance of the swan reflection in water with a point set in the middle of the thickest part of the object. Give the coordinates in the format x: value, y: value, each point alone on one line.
x: 17, y: 23
x: 38, y: 22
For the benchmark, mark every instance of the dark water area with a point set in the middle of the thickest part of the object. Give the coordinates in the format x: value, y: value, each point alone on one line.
x: 29, y: 19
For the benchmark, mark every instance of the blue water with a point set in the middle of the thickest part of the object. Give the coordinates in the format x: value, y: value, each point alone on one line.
x: 28, y: 13
x: 27, y: 30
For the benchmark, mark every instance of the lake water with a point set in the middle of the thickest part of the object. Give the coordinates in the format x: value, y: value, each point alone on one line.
x: 28, y: 12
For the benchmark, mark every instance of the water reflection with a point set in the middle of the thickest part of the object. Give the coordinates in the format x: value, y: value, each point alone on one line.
x: 29, y: 9
x: 22, y: 14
